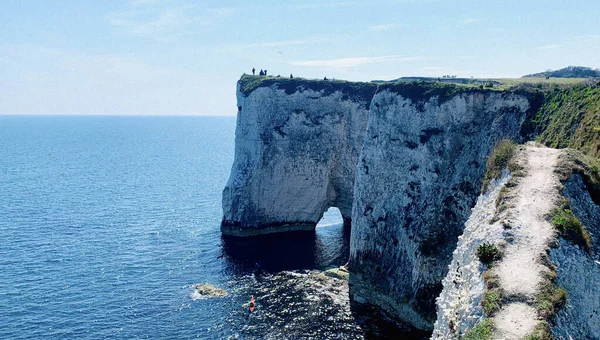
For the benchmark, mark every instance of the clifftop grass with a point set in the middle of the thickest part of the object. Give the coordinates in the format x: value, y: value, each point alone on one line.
x: 361, y: 91
x: 417, y: 91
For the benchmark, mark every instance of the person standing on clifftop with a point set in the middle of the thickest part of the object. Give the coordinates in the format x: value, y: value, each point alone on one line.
x: 253, y: 71
x: 291, y: 76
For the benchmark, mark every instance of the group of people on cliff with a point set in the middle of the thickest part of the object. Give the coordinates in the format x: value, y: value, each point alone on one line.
x: 264, y: 73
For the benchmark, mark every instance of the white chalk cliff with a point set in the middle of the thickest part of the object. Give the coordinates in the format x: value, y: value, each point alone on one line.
x: 402, y: 161
x: 295, y: 156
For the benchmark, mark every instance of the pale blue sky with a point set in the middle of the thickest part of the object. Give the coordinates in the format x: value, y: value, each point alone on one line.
x: 184, y: 57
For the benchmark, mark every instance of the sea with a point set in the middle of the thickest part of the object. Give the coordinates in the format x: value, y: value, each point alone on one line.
x: 108, y: 222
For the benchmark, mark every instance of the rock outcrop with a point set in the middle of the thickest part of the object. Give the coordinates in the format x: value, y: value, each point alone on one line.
x: 295, y: 156
x: 207, y: 290
x: 418, y: 176
x: 403, y: 161
x: 459, y: 304
x: 579, y: 271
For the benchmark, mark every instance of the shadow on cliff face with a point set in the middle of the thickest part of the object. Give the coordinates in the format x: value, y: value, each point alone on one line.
x: 325, y: 247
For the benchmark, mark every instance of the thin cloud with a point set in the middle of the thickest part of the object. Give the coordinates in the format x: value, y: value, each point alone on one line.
x: 328, y: 5
x: 143, y: 2
x: 384, y: 27
x: 282, y: 43
x: 166, y: 23
x: 470, y: 21
x: 343, y: 63
x: 549, y: 47
x: 222, y: 12
x: 435, y: 68
x: 589, y: 37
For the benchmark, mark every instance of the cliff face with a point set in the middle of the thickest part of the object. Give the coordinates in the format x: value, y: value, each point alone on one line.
x: 459, y: 304
x: 418, y: 176
x: 403, y: 161
x: 579, y: 271
x: 295, y: 156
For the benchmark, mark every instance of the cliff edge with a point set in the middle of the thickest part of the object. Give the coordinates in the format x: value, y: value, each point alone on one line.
x: 402, y: 161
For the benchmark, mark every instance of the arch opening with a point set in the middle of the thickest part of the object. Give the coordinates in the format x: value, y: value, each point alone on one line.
x: 332, y: 239
x: 331, y: 217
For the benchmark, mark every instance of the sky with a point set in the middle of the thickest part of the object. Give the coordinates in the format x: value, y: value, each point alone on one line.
x: 183, y: 57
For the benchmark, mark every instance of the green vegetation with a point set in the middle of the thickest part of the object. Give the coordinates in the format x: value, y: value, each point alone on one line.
x: 572, y: 161
x: 422, y: 91
x: 482, y: 331
x: 497, y: 161
x: 570, y: 117
x: 418, y: 90
x: 550, y: 297
x: 569, y: 226
x: 539, y: 82
x: 492, y: 301
x: 493, y: 296
x: 488, y: 253
x: 359, y: 91
x: 569, y: 72
x: 541, y: 332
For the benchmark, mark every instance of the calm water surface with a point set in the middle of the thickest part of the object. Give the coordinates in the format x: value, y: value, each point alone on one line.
x: 106, y: 222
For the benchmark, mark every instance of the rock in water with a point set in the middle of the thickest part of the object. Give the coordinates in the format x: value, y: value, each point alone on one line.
x: 206, y: 290
x: 338, y: 273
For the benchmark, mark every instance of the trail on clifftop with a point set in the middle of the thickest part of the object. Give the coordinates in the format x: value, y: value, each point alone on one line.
x: 521, y: 270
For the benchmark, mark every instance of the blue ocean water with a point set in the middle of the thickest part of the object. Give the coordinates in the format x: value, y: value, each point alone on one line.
x: 107, y: 222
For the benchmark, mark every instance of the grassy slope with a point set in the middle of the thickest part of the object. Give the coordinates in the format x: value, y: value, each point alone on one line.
x: 571, y: 118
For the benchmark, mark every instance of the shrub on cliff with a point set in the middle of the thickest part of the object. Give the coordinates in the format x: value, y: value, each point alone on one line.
x: 569, y: 226
x: 482, y: 331
x: 575, y: 162
x: 541, y: 332
x: 488, y: 253
x: 550, y: 297
x: 498, y: 160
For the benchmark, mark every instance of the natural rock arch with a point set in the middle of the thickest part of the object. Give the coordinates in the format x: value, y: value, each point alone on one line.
x: 295, y: 156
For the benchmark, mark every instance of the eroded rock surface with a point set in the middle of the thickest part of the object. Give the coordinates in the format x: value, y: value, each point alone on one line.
x: 403, y: 161
x: 459, y: 305
x: 295, y: 156
x: 418, y: 176
x: 579, y: 271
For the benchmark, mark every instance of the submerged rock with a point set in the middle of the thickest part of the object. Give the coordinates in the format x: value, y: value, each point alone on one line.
x: 207, y: 290
x: 338, y: 273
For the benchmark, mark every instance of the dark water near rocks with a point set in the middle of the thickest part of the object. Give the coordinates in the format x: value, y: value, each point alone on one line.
x: 106, y: 222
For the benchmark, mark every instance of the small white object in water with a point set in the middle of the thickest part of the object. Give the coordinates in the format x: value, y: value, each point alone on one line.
x: 206, y: 290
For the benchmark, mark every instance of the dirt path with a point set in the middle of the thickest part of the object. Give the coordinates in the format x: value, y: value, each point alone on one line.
x: 521, y: 270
